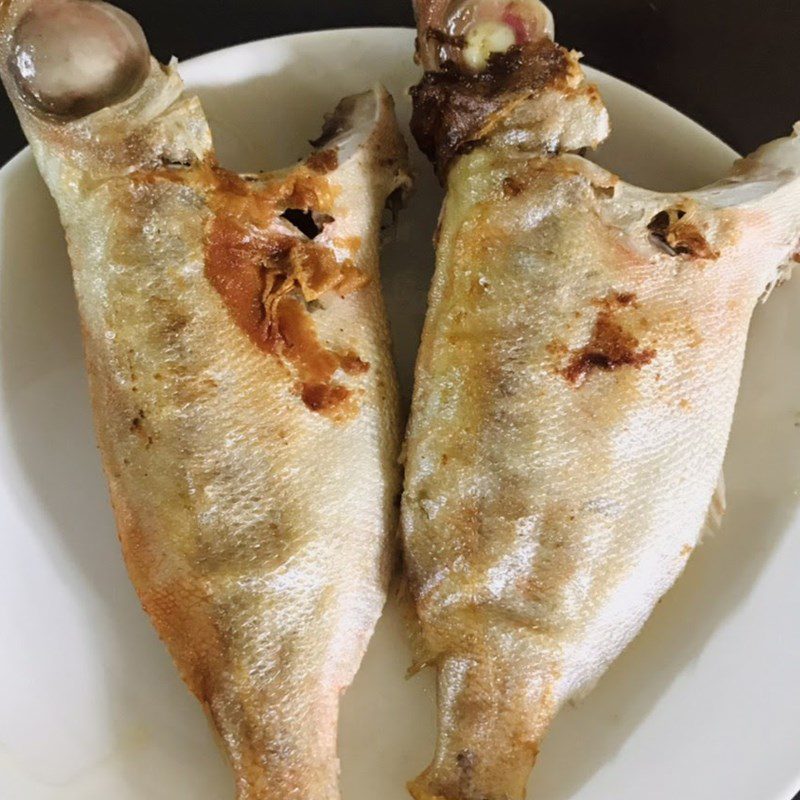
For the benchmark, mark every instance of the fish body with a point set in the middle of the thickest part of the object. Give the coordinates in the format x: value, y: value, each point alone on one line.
x: 244, y: 396
x: 575, y: 389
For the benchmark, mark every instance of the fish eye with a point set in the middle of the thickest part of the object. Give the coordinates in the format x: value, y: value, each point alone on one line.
x: 70, y: 58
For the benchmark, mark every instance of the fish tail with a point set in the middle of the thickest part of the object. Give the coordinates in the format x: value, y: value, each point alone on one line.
x: 492, y: 715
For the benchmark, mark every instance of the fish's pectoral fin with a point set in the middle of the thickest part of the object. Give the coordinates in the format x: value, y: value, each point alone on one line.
x: 358, y: 167
x: 362, y: 124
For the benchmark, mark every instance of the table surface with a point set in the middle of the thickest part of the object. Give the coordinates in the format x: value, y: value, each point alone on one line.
x: 732, y: 66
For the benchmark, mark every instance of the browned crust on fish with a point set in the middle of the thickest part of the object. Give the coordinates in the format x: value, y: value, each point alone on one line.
x: 267, y: 278
x: 612, y: 346
x: 454, y: 110
x: 323, y: 161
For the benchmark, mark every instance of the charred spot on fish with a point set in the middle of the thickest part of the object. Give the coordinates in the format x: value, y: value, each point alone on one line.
x: 137, y: 427
x: 673, y: 232
x: 454, y: 109
x: 175, y: 324
x: 512, y: 187
x: 308, y: 222
x: 323, y: 161
x: 313, y: 305
x: 352, y: 364
x: 610, y: 348
x: 603, y: 192
x: 466, y: 761
x: 616, y: 300
x: 322, y: 397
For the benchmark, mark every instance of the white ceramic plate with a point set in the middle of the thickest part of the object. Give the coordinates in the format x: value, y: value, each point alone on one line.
x: 704, y: 705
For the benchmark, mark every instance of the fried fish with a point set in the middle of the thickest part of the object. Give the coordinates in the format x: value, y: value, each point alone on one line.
x: 243, y: 390
x: 575, y: 387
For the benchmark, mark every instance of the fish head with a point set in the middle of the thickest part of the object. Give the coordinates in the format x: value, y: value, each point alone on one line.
x: 85, y: 86
x: 468, y: 32
x: 68, y: 58
x: 495, y: 77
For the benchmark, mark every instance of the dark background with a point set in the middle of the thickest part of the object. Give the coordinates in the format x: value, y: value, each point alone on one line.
x: 733, y: 65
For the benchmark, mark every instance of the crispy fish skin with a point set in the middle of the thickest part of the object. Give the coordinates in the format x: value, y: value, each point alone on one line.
x: 574, y: 393
x: 245, y: 402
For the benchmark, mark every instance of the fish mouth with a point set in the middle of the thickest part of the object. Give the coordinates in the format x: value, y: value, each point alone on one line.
x: 70, y: 58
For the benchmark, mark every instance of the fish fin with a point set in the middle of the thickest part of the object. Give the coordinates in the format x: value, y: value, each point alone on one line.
x: 422, y: 657
x: 716, y: 510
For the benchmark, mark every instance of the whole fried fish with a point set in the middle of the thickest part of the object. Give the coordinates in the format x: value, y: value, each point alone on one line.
x: 575, y: 388
x: 243, y: 390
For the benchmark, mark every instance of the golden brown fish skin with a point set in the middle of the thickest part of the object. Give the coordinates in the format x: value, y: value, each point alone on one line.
x: 256, y: 523
x: 505, y: 436
x: 574, y: 393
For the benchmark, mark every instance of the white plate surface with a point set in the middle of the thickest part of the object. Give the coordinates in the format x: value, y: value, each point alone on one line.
x: 704, y: 705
